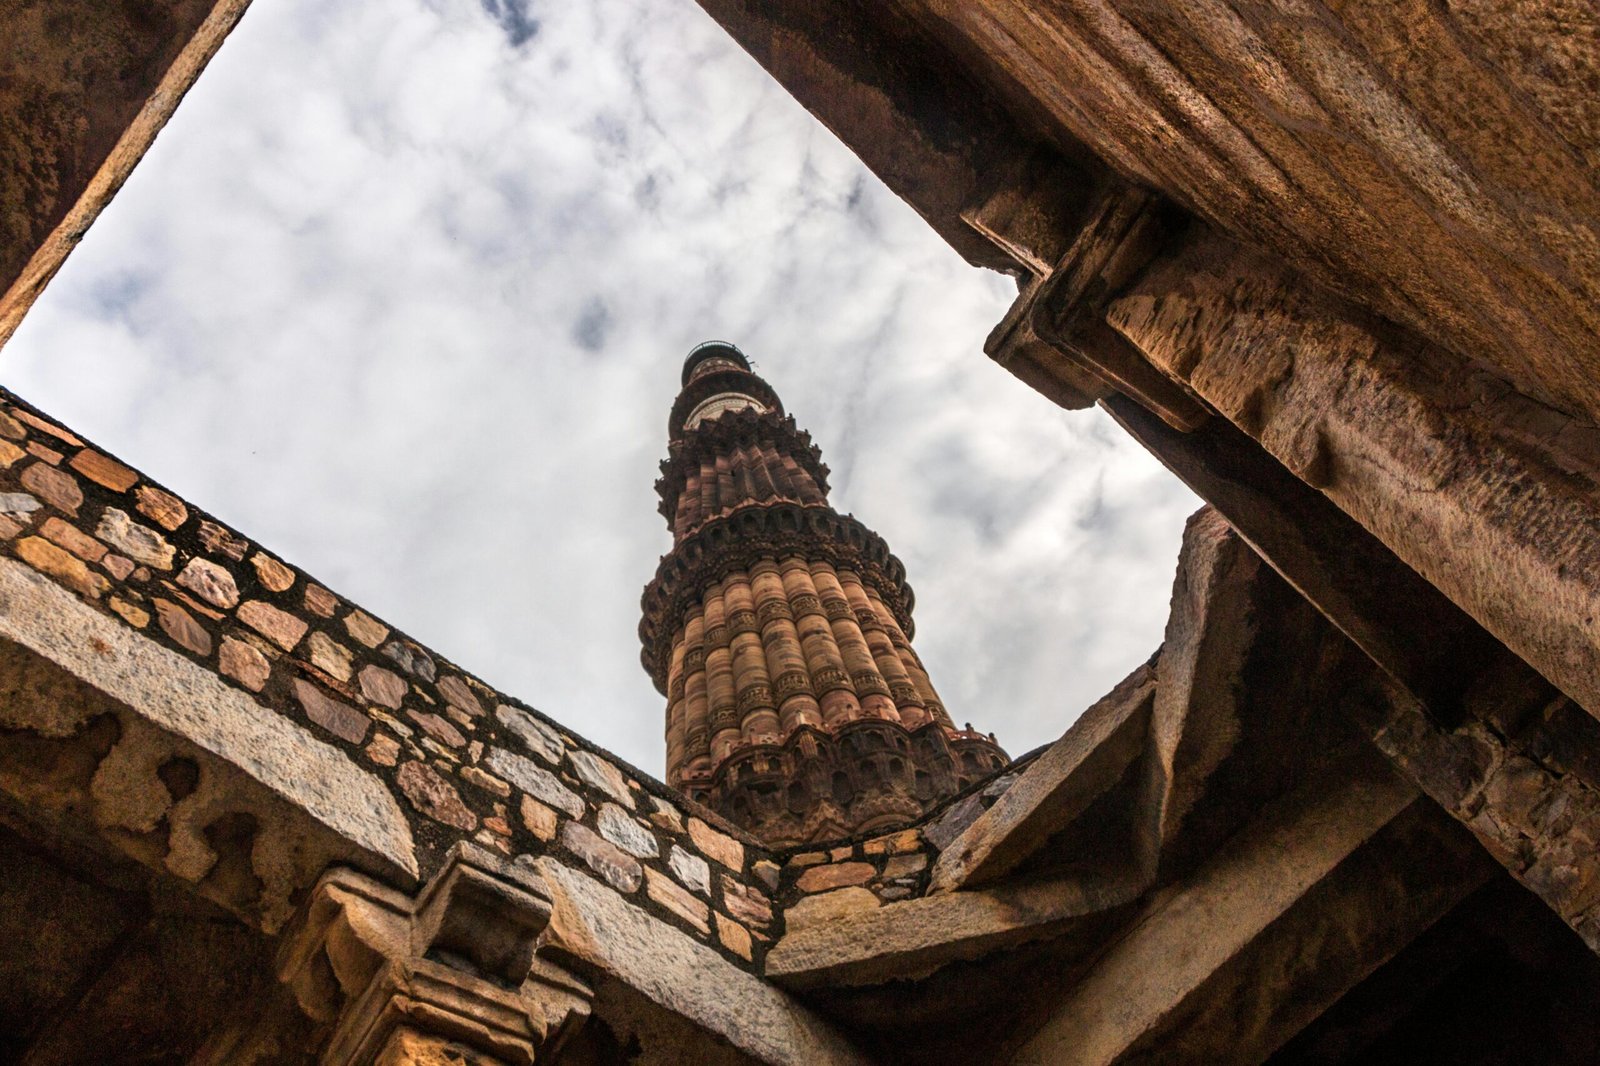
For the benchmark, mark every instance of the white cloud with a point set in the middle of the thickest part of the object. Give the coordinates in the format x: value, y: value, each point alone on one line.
x: 406, y: 301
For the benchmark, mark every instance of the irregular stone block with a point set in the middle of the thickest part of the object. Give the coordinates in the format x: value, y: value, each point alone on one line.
x: 63, y: 566
x: 104, y: 470
x: 55, y: 487
x: 162, y: 508
x: 617, y: 826
x: 181, y: 627
x: 539, y: 783
x: 280, y: 627
x: 210, y: 582
x: 139, y: 543
x: 340, y: 719
x: 716, y: 845
x: 597, y: 773
x: 837, y: 875
x: 537, y: 737
x: 619, y: 869
x: 244, y: 664
x: 434, y: 796
x: 662, y: 889
x: 692, y: 870
x: 383, y: 686
x: 365, y: 628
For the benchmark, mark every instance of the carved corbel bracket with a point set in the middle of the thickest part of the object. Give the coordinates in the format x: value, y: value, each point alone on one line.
x: 457, y: 969
x: 1056, y: 338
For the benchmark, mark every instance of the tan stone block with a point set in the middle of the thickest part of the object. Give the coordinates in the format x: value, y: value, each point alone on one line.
x: 49, y: 455
x: 600, y: 774
x: 64, y: 567
x: 73, y: 539
x: 329, y: 656
x: 619, y: 869
x: 133, y: 614
x: 9, y: 527
x: 383, y: 686
x: 282, y: 628
x: 46, y: 427
x: 662, y: 889
x: 11, y: 428
x: 319, y: 601
x: 905, y: 865
x: 540, y: 820
x: 837, y: 875
x: 827, y: 905
x: 274, y: 576
x: 118, y: 566
x: 438, y: 728
x: 746, y: 903
x: 898, y: 843
x: 162, y: 508
x: 474, y: 775
x: 716, y: 845
x: 734, y: 937
x: 384, y: 750
x: 243, y: 663
x: 10, y: 453
x: 55, y: 487
x: 460, y: 694
x: 365, y: 628
x: 103, y: 470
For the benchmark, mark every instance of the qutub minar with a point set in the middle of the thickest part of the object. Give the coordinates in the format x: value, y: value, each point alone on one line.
x: 780, y: 632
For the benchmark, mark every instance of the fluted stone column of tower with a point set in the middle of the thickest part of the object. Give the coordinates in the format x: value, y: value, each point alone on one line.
x: 780, y: 632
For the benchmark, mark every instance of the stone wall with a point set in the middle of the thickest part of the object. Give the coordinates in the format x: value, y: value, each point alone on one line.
x: 464, y: 760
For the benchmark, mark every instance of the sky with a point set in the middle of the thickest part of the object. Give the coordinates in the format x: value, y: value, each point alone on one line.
x: 402, y: 293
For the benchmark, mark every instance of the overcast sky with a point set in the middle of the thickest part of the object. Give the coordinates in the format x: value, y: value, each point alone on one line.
x: 403, y: 290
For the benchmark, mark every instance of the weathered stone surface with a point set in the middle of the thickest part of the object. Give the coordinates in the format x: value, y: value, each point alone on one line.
x: 438, y: 728
x: 460, y: 695
x: 412, y: 659
x: 180, y: 625
x: 692, y: 870
x: 243, y: 663
x: 537, y: 737
x: 329, y: 656
x: 598, y: 773
x: 835, y: 875
x: 74, y: 540
x: 619, y: 869
x: 162, y: 508
x: 280, y: 627
x: 826, y: 906
x: 139, y: 543
x: 130, y: 613
x: 18, y: 504
x: 66, y: 568
x: 617, y: 826
x: 434, y: 796
x: 597, y: 928
x: 384, y: 750
x: 210, y: 582
x: 104, y: 470
x: 537, y: 782
x: 662, y: 889
x: 273, y: 575
x: 55, y: 487
x: 118, y: 566
x: 337, y: 717
x: 383, y: 686
x: 365, y: 628
x: 716, y: 845
x: 319, y: 601
x: 540, y: 819
x: 734, y: 937
x: 309, y: 792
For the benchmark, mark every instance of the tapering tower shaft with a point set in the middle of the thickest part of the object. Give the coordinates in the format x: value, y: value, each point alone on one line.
x: 780, y: 631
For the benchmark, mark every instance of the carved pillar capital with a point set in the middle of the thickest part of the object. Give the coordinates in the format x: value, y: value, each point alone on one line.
x: 451, y: 975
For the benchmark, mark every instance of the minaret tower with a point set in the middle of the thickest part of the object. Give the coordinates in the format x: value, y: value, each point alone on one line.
x: 780, y: 632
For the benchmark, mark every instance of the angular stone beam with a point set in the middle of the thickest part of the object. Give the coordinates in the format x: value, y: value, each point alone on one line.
x: 1059, y: 786
x: 1294, y: 911
x: 84, y: 89
x: 113, y: 737
x: 873, y: 76
x: 911, y: 939
x: 610, y: 942
x: 1405, y: 439
x: 1405, y: 625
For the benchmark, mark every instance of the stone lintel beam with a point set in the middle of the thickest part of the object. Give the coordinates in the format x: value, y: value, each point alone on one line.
x: 1487, y: 495
x: 84, y: 89
x: 1404, y: 624
x: 79, y: 689
x: 1328, y: 884
x: 453, y: 976
x: 873, y: 76
x: 909, y: 940
x: 1053, y: 791
x: 609, y: 941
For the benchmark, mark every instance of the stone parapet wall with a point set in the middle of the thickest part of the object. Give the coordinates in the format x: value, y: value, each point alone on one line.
x: 465, y: 761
